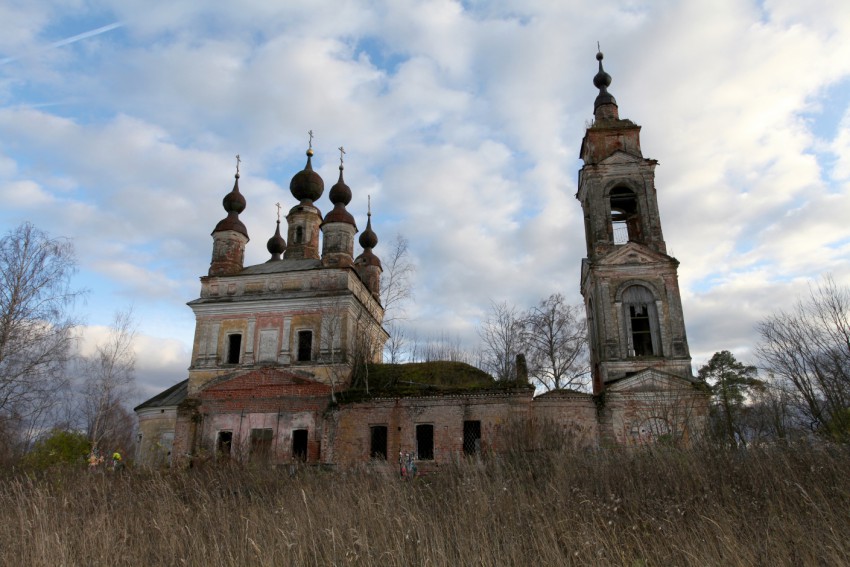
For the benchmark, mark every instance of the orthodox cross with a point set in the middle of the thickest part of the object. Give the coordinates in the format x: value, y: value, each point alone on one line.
x: 369, y: 205
x: 278, y: 211
x: 310, y: 133
x: 341, y: 153
x: 238, y: 161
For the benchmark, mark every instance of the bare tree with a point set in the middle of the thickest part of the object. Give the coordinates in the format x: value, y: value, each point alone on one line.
x: 556, y: 336
x: 503, y: 337
x: 36, y: 328
x: 808, y: 348
x: 396, y: 288
x: 333, y: 321
x: 397, y: 344
x: 109, y: 382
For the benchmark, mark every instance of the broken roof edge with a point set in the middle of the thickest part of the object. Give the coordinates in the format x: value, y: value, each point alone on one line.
x: 173, y: 396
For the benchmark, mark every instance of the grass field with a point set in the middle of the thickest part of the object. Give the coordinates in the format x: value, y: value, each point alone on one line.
x: 662, y: 507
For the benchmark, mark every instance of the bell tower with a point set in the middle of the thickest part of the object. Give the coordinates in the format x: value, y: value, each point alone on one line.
x: 629, y: 283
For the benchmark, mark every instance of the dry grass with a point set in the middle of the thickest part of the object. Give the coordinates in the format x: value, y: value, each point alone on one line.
x: 659, y: 507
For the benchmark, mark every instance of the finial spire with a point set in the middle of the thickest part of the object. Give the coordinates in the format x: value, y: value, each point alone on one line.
x: 605, y: 106
x: 369, y: 205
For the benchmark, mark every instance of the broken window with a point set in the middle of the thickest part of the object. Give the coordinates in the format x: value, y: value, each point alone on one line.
x: 425, y: 442
x: 641, y: 317
x: 624, y: 217
x: 224, y: 443
x: 261, y: 445
x: 305, y: 345
x: 234, y: 348
x: 471, y: 437
x: 299, y: 444
x: 378, y: 442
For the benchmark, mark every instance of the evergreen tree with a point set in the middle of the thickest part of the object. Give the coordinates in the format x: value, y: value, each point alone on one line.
x: 730, y: 382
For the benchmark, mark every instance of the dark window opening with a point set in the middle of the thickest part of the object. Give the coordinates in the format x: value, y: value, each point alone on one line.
x: 299, y: 234
x: 299, y: 444
x: 641, y: 333
x: 234, y: 347
x: 624, y: 217
x: 305, y: 345
x: 642, y: 319
x: 471, y: 437
x: 224, y: 444
x: 425, y: 442
x: 261, y: 445
x: 378, y: 442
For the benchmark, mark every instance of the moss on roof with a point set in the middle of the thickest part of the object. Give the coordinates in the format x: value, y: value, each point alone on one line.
x: 422, y: 379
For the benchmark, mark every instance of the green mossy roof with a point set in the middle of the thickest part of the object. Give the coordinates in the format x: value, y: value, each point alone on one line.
x: 423, y: 379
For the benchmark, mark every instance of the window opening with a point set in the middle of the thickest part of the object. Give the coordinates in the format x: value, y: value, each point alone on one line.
x: 305, y: 345
x: 378, y: 442
x: 425, y: 442
x: 234, y: 347
x: 224, y: 444
x: 471, y: 437
x: 624, y: 217
x: 642, y: 320
x: 299, y: 234
x: 299, y: 444
x: 261, y: 445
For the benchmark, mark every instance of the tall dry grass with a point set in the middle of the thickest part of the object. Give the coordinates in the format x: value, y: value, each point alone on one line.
x: 657, y: 507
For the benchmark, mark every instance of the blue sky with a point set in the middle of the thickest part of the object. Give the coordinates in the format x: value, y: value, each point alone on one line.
x: 120, y: 120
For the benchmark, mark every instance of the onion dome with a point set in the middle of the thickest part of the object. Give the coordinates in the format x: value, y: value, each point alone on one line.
x: 368, y: 240
x: 233, y: 203
x: 340, y: 196
x: 276, y: 244
x: 602, y: 81
x: 307, y: 185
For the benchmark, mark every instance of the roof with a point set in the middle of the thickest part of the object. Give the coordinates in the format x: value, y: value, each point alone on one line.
x: 562, y: 392
x: 170, y: 397
x: 424, y: 379
x: 282, y: 266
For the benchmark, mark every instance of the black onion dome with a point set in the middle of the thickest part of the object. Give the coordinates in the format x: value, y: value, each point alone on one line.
x: 368, y: 239
x: 234, y: 203
x: 340, y: 192
x: 307, y: 185
x: 276, y: 244
x: 602, y: 81
x: 340, y: 196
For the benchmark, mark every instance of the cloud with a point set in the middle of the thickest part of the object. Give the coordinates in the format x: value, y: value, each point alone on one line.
x: 463, y: 122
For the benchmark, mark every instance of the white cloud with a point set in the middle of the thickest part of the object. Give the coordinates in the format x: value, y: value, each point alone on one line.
x: 462, y: 120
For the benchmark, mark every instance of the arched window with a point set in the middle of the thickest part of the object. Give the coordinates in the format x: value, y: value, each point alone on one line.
x: 641, y: 318
x: 624, y: 218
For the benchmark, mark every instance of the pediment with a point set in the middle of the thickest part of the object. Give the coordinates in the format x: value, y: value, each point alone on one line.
x: 634, y: 253
x: 262, y: 382
x: 621, y: 157
x: 650, y: 380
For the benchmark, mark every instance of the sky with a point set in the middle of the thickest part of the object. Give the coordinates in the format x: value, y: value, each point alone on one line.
x: 120, y: 121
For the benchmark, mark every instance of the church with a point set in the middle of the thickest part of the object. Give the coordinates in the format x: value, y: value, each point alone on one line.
x: 286, y: 359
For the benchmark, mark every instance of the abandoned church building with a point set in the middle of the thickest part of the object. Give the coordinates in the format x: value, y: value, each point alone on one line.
x: 286, y: 361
